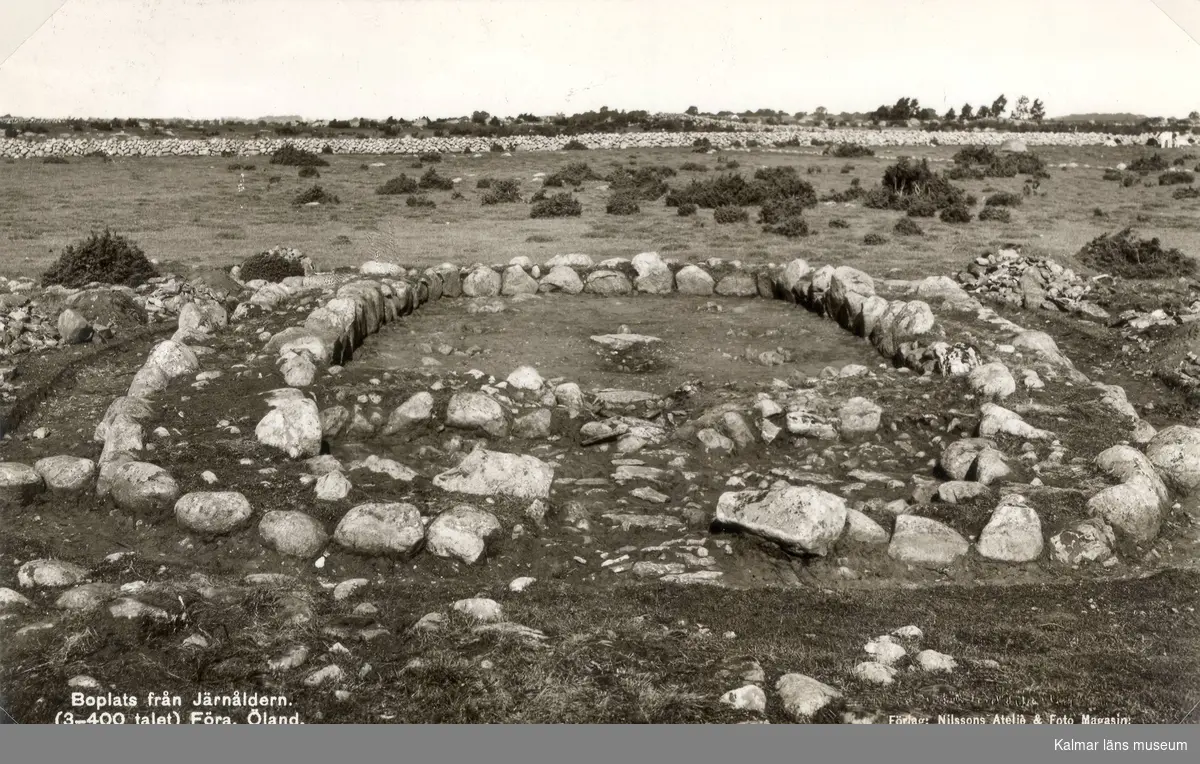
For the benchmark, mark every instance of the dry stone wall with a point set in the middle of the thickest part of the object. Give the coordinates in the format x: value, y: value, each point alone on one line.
x: 128, y: 146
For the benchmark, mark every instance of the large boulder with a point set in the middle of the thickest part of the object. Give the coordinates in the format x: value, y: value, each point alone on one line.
x: 561, y: 278
x: 113, y: 307
x: 737, y: 284
x: 607, y: 283
x: 802, y: 696
x: 1087, y: 541
x: 214, y: 512
x: 1175, y: 453
x: 848, y: 288
x: 19, y: 483
x: 292, y: 532
x: 959, y: 456
x: 135, y: 409
x: 793, y: 276
x: 168, y: 360
x: 392, y: 529
x: 516, y: 281
x: 653, y: 274
x: 476, y: 411
x: 492, y: 473
x: 462, y: 533
x: 414, y: 411
x: 694, y: 280
x: 922, y: 541
x: 1013, y: 533
x: 858, y: 416
x: 73, y: 328
x: 66, y: 474
x: 992, y: 380
x: 803, y: 519
x: 997, y: 420
x: 142, y: 487
x: 293, y: 425
x: 482, y: 282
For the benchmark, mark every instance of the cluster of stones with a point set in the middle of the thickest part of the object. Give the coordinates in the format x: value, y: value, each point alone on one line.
x: 131, y: 146
x: 35, y: 319
x: 1031, y: 282
x: 806, y: 699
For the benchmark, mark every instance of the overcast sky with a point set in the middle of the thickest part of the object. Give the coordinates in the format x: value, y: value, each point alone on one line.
x: 411, y: 58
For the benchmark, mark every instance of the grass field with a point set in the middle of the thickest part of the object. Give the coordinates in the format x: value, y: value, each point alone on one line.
x: 188, y: 210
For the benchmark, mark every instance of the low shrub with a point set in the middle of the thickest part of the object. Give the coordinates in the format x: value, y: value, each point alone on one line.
x: 290, y: 155
x: 955, y: 213
x: 1175, y: 177
x: 1099, y: 213
x: 496, y: 148
x: 851, y: 194
x: 315, y: 194
x: 645, y: 183
x: 274, y: 265
x: 778, y: 210
x: 309, y: 172
x: 327, y: 149
x: 849, y: 151
x: 997, y: 214
x: 430, y: 157
x: 728, y: 214
x: 457, y: 196
x: 485, y: 182
x: 985, y: 162
x: 919, y: 207
x: 1003, y: 199
x: 98, y: 154
x: 103, y: 257
x: 687, y: 209
x: 733, y: 190
x: 838, y: 223
x: 874, y: 239
x: 847, y: 169
x: 401, y: 184
x: 1129, y: 181
x: 693, y: 167
x: 573, y: 174
x: 1113, y: 174
x: 622, y: 202
x: 908, y: 227
x: 907, y: 181
x: 560, y: 205
x: 792, y: 227
x: 506, y: 191
x: 575, y: 145
x: 54, y: 160
x: 1149, y: 163
x: 539, y: 238
x: 420, y: 201
x: 1123, y: 255
x: 432, y: 181
x: 1186, y: 193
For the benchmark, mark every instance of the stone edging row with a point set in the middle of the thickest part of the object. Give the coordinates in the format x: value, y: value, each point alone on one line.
x: 903, y: 331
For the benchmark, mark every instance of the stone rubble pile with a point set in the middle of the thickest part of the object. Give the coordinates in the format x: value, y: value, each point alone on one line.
x: 1031, y: 282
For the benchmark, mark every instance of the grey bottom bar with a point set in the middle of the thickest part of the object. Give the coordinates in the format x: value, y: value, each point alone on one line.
x: 586, y: 744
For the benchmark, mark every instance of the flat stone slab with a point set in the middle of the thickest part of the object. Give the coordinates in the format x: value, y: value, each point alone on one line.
x: 623, y: 341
